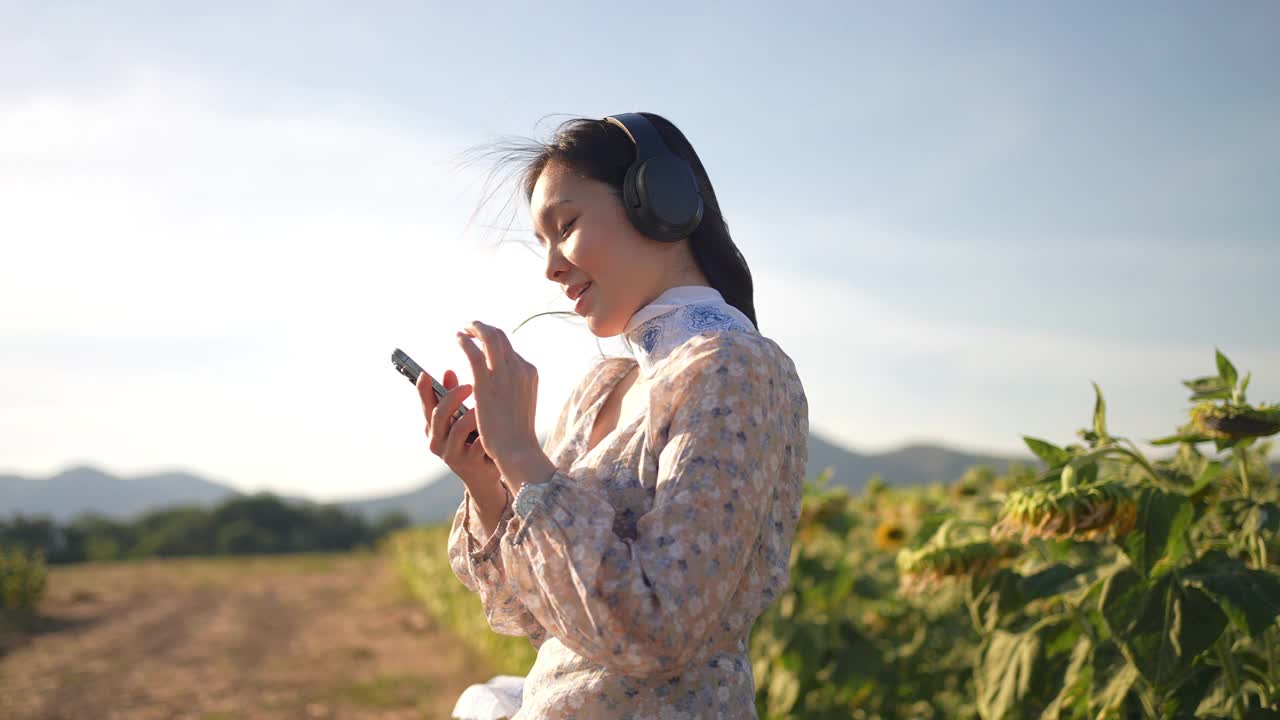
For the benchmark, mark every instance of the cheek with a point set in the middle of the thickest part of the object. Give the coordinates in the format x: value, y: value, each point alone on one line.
x: 606, y: 254
x: 589, y: 252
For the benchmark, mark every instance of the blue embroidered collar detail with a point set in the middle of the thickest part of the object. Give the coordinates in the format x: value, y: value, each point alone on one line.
x: 675, y: 316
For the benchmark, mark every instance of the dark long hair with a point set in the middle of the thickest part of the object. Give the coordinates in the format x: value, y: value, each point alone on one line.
x: 601, y: 151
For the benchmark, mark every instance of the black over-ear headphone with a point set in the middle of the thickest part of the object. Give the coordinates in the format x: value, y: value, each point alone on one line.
x: 660, y: 191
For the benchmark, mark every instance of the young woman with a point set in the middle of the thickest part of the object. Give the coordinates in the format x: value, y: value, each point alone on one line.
x: 636, y: 547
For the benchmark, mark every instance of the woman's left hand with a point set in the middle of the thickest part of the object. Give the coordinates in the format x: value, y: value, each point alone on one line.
x: 506, y: 394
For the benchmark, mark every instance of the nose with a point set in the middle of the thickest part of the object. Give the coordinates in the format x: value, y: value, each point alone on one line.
x: 556, y: 265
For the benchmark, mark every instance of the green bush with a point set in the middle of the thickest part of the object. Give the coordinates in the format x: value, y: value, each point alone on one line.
x: 23, y: 580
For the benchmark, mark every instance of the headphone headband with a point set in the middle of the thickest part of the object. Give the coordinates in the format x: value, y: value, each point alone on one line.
x: 642, y: 132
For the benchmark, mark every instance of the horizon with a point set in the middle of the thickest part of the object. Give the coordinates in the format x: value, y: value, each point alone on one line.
x: 221, y: 221
x: 442, y: 474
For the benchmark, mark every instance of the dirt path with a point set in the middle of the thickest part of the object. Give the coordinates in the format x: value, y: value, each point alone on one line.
x: 314, y: 637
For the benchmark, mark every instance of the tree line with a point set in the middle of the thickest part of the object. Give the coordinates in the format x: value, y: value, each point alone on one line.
x: 242, y: 525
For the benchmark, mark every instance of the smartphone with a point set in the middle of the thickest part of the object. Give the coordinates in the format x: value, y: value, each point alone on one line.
x: 412, y: 370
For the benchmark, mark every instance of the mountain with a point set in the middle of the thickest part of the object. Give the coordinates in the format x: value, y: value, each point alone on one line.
x: 436, y: 501
x: 910, y: 465
x: 86, y: 489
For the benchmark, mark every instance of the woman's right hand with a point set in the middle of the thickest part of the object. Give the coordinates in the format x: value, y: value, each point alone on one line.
x: 447, y: 438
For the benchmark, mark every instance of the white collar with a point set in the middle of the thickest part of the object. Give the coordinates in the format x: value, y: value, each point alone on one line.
x: 676, y: 315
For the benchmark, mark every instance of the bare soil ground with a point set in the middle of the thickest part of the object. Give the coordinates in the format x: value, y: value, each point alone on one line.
x: 303, y: 636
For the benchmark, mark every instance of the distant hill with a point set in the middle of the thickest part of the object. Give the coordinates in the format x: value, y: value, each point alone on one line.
x: 83, y: 489
x: 910, y: 465
x: 434, y: 501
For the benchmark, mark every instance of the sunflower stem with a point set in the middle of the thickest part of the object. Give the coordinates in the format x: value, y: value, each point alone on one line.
x: 1139, y: 458
x: 1243, y: 462
x: 973, y: 611
x: 1233, y: 680
x: 1269, y: 688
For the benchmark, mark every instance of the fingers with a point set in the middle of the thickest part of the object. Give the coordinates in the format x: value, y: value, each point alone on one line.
x: 497, y: 348
x: 457, y: 440
x: 442, y: 417
x: 479, y: 366
x: 427, y: 392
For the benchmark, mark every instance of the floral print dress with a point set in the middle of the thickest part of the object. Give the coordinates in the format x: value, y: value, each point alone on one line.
x: 639, y: 567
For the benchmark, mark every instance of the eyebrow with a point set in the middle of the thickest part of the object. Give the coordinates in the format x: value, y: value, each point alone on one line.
x: 547, y: 211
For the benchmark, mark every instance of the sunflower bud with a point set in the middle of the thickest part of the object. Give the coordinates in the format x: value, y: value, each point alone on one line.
x: 1077, y: 513
x: 1235, y: 422
x: 927, y: 568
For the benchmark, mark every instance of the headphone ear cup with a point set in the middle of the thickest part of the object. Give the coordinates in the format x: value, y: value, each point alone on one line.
x: 666, y: 197
x: 634, y: 204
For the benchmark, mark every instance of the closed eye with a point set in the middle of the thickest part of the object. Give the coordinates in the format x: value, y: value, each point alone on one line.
x: 566, y: 227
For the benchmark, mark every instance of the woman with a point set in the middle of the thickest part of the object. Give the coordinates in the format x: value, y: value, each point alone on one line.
x: 636, y: 547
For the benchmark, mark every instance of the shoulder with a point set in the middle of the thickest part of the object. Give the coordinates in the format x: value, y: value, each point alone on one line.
x: 727, y: 351
x: 721, y: 374
x: 733, y: 363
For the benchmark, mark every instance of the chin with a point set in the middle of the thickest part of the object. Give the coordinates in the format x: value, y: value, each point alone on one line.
x: 597, y: 327
x: 604, y: 327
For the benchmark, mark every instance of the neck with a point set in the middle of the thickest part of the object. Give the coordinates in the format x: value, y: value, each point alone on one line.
x: 689, y: 277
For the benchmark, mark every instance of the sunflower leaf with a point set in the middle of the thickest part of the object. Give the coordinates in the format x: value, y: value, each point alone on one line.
x: 1208, y: 388
x: 1226, y: 370
x: 1051, y: 454
x: 1099, y: 413
x: 1158, y: 532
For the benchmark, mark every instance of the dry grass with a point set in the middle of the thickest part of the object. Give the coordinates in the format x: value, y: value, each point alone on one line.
x: 302, y: 636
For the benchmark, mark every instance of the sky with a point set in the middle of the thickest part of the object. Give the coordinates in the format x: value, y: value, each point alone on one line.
x: 217, y: 222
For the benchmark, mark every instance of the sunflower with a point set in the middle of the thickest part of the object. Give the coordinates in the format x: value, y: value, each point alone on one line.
x: 1079, y: 513
x: 1235, y: 422
x: 890, y: 535
x: 927, y: 568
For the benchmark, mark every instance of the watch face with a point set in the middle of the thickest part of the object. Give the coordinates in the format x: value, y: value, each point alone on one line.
x: 529, y: 496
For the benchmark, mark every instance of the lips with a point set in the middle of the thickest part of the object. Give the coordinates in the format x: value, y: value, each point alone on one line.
x: 580, y: 306
x: 576, y: 291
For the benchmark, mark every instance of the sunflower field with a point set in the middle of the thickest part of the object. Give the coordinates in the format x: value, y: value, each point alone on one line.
x: 1102, y: 584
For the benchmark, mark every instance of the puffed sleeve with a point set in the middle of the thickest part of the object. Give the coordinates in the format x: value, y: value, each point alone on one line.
x: 646, y: 605
x: 479, y: 565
